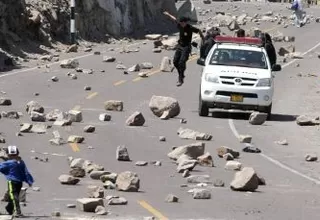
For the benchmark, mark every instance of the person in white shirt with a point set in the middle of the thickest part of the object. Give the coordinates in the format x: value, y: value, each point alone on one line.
x: 300, y: 14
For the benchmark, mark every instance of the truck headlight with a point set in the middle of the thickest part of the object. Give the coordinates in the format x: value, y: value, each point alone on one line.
x: 264, y: 82
x: 211, y: 78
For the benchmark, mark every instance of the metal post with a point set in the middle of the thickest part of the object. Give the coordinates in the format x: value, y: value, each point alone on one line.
x: 73, y: 22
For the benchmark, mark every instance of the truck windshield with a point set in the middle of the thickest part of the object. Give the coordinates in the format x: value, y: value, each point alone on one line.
x: 236, y: 57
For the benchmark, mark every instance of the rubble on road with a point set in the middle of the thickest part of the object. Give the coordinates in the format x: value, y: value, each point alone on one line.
x: 34, y: 106
x: 226, y: 150
x: 128, y: 181
x: 258, y: 118
x: 89, y: 204
x: 122, y: 154
x: 249, y: 148
x: 171, y: 198
x: 100, y: 210
x: 201, y: 194
x: 199, y: 179
x: 89, y: 129
x: 97, y: 174
x: 218, y: 183
x: 192, y: 150
x: 113, y: 105
x: 233, y: 165
x: 136, y: 119
x: 75, y: 139
x: 5, y: 101
x: 304, y: 120
x: 109, y: 59
x: 104, y: 117
x: 68, y: 180
x: 205, y: 160
x: 69, y: 64
x: 245, y: 138
x: 95, y: 192
x: 245, y: 180
x: 282, y: 142
x: 311, y: 157
x: 161, y: 105
x: 117, y: 201
x: 185, y: 133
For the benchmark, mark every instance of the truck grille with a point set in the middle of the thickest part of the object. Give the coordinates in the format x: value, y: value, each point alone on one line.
x: 230, y: 80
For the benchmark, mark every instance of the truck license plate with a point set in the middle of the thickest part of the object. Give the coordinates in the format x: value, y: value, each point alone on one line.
x: 236, y: 98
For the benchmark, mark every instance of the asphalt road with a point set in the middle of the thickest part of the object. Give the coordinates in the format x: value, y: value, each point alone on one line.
x: 292, y: 185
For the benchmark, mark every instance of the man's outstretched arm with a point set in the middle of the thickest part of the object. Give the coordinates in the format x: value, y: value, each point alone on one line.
x: 173, y: 18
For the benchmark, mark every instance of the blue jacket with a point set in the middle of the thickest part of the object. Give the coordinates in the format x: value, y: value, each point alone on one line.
x: 16, y: 170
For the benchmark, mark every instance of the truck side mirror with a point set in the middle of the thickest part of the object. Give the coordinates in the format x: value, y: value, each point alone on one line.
x: 201, y: 62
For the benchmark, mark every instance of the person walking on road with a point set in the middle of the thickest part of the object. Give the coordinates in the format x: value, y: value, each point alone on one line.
x: 16, y: 172
x: 183, y: 50
x: 268, y: 45
x: 300, y: 14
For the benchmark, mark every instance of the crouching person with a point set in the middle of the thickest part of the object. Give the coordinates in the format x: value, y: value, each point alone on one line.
x: 16, y: 173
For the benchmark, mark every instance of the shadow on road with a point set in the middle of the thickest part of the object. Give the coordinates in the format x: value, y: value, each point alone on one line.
x: 283, y: 117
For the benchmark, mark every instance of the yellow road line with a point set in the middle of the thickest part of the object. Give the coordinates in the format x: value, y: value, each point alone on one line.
x: 92, y: 95
x: 137, y: 79
x: 119, y: 82
x: 77, y: 107
x: 152, y: 210
x: 74, y: 147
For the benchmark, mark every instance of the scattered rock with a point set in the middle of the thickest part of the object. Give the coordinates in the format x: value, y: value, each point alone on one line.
x: 89, y: 128
x: 171, y: 198
x: 109, y: 185
x: 100, y: 210
x: 186, y: 174
x: 113, y: 105
x: 153, y: 36
x: 122, y: 154
x: 10, y: 115
x: 25, y: 128
x: 73, y: 48
x: 112, y: 177
x: 54, y: 79
x: 34, y: 106
x: 282, y: 142
x: 75, y: 116
x: 228, y: 157
x: 38, y: 117
x: 311, y: 157
x: 89, y: 204
x: 95, y: 192
x: 195, y: 135
x: 201, y: 194
x: 146, y: 65
x: 156, y: 50
x: 77, y: 163
x: 128, y: 181
x: 5, y: 102
x: 198, y: 179
x: 205, y: 160
x: 245, y: 180
x: 71, y: 206
x: 224, y: 150
x: 258, y: 118
x: 233, y: 165
x: 162, y: 138
x: 166, y: 64
x: 135, y: 68
x: 186, y: 164
x: 136, y: 119
x: 143, y: 74
x: 121, y: 67
x: 68, y: 180
x: 97, y: 174
x: 109, y: 59
x: 192, y: 150
x: 104, y: 117
x: 251, y: 149
x: 75, y: 139
x: 160, y: 104
x: 304, y: 120
x: 87, y: 71
x: 69, y: 64
x: 218, y: 183
x: 118, y: 201
x: 141, y: 163
x: 245, y: 138
x: 87, y: 88
x: 39, y: 128
x: 286, y: 50
x: 77, y: 172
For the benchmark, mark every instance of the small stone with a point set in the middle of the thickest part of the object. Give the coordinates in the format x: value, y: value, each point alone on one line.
x: 95, y: 192
x: 162, y: 138
x: 54, y: 79
x: 89, y: 128
x: 113, y: 105
x: 26, y: 127
x: 311, y: 157
x: 183, y: 121
x: 146, y: 65
x: 206, y: 160
x: 36, y: 189
x: 149, y: 218
x: 109, y: 185
x: 122, y: 154
x: 87, y: 88
x: 69, y: 64
x: 97, y: 174
x: 171, y: 198
x: 89, y: 204
x: 77, y: 172
x: 75, y: 139
x: 97, y: 53
x: 141, y: 163
x: 191, y: 134
x: 112, y: 177
x: 198, y: 179
x: 135, y: 68
x: 245, y: 138
x: 136, y: 119
x: 251, y: 149
x: 68, y: 180
x: 118, y: 201
x: 71, y: 206
x: 201, y: 194
x: 128, y: 182
x: 75, y: 115
x: 228, y: 157
x: 233, y: 165
x: 109, y: 59
x: 304, y: 120
x: 258, y: 118
x: 186, y: 173
x: 100, y: 210
x: 245, y: 180
x: 73, y: 48
x: 5, y: 102
x: 282, y: 142
x: 156, y: 50
x: 38, y: 117
x: 218, y: 183
x: 121, y: 67
x: 224, y: 150
x: 143, y: 74
x: 104, y: 117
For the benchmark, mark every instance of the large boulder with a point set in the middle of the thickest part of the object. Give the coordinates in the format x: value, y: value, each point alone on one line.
x: 89, y: 204
x: 161, y: 105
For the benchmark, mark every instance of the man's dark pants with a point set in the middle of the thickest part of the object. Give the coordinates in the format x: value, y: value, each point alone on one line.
x: 14, y: 189
x: 180, y: 59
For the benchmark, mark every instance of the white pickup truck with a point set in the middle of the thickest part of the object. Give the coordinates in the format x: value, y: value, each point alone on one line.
x: 237, y: 74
